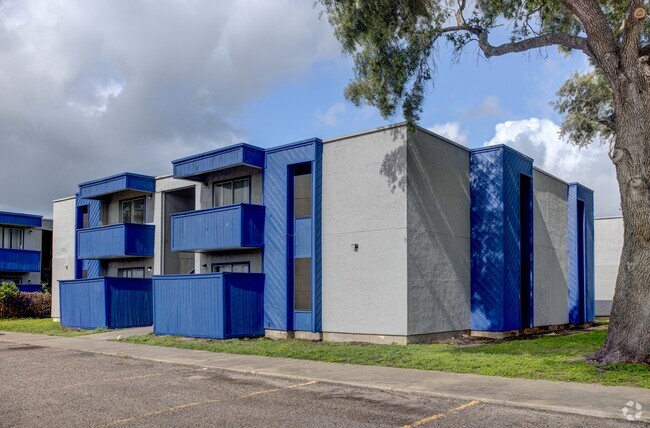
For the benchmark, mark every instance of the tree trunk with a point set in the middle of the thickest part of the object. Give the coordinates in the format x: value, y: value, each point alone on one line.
x: 628, y: 337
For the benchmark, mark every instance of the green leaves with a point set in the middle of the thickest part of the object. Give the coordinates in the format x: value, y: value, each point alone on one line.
x: 586, y: 101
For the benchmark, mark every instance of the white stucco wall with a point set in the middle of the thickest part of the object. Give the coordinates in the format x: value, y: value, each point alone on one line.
x: 63, y: 247
x: 608, y: 246
x: 438, y: 235
x: 364, y: 203
x: 550, y: 248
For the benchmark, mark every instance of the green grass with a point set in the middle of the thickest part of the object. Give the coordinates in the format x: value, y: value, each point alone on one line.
x: 550, y: 357
x: 42, y: 326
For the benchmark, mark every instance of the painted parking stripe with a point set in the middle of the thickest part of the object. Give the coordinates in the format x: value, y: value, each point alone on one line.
x: 199, y: 403
x: 441, y: 415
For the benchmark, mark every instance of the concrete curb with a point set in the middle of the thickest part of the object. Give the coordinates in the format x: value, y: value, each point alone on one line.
x: 562, y: 397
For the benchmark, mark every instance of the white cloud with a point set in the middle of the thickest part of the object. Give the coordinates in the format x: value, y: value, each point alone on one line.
x: 540, y: 139
x: 93, y: 88
x: 332, y: 115
x: 490, y: 106
x: 451, y: 130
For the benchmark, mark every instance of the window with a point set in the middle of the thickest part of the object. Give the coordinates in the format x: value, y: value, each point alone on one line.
x: 131, y: 272
x: 302, y: 193
x: 11, y: 238
x: 232, y: 192
x: 239, y: 267
x: 132, y: 211
x: 302, y: 284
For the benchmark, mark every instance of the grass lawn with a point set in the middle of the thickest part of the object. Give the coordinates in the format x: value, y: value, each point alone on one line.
x: 550, y: 357
x: 41, y: 326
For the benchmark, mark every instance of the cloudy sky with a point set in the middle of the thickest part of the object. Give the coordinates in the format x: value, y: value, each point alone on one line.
x: 89, y: 89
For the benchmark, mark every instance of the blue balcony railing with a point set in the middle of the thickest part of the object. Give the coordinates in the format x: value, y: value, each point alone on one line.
x: 20, y: 260
x: 230, y: 227
x: 106, y: 302
x: 116, y: 241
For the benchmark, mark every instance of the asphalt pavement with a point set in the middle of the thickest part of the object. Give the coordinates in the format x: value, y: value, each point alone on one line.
x: 53, y: 387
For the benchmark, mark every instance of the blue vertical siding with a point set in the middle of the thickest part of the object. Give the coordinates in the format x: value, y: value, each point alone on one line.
x: 278, y: 255
x: 83, y: 303
x: 495, y: 237
x: 197, y: 166
x: 317, y: 232
x: 117, y: 183
x: 577, y: 192
x: 19, y: 260
x: 220, y: 306
x: 118, y: 240
x: 106, y: 302
x: 233, y: 226
x: 93, y: 267
x: 129, y: 302
x: 19, y: 219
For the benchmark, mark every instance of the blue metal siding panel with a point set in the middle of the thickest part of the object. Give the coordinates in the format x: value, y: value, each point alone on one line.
x: 244, y: 304
x: 514, y: 166
x: 117, y: 183
x: 20, y: 260
x: 579, y: 192
x: 195, y: 167
x: 302, y: 320
x: 19, y: 219
x: 235, y: 226
x: 94, y: 207
x: 317, y: 234
x: 139, y: 239
x: 83, y: 303
x: 277, y: 299
x: 115, y: 241
x: 188, y: 305
x: 302, y: 238
x: 487, y: 240
x: 130, y: 302
x: 495, y: 238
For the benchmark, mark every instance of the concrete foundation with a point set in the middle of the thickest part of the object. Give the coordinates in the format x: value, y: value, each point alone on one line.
x: 528, y: 331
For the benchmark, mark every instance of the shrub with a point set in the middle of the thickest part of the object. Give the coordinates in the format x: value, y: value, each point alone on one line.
x: 16, y: 304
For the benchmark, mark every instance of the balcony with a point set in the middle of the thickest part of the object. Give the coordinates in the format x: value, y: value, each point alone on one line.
x: 223, y: 228
x: 19, y: 260
x: 197, y: 167
x: 106, y: 302
x: 215, y: 305
x: 116, y: 241
x: 103, y: 187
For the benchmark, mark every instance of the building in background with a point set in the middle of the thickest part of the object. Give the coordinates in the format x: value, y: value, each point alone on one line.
x: 608, y: 241
x: 385, y: 236
x: 25, y: 250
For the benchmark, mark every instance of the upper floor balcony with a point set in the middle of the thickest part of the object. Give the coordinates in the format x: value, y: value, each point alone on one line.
x: 14, y: 260
x: 116, y: 241
x: 104, y: 187
x: 197, y: 167
x: 229, y: 227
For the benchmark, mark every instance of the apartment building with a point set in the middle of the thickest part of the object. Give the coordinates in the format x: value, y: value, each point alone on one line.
x: 385, y: 236
x: 25, y: 250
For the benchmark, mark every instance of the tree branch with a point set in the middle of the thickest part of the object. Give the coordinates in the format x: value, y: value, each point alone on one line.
x: 631, y: 42
x: 549, y: 39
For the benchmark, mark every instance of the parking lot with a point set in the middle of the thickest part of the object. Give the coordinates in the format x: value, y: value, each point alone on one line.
x: 42, y: 386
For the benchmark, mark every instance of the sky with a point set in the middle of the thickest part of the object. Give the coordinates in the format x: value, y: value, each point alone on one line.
x: 90, y: 89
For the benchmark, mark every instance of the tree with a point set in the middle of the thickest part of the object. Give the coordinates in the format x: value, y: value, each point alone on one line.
x: 393, y: 44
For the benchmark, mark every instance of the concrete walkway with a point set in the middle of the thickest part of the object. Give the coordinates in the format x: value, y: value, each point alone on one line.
x: 575, y: 398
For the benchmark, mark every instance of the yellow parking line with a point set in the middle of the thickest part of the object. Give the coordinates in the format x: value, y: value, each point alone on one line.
x: 278, y: 389
x: 199, y: 403
x: 441, y: 415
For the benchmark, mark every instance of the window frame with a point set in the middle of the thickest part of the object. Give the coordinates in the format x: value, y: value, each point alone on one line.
x: 130, y: 200
x: 11, y: 228
x: 120, y: 270
x: 246, y: 263
x: 232, y: 181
